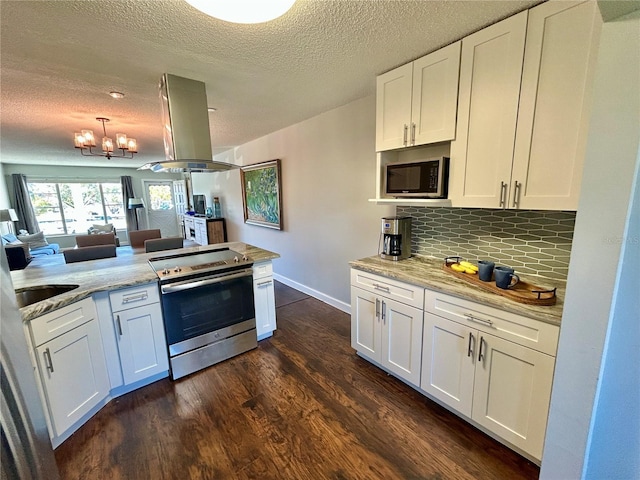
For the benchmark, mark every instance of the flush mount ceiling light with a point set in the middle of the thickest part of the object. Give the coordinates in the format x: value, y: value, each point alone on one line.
x: 85, y: 141
x: 115, y: 94
x: 243, y: 11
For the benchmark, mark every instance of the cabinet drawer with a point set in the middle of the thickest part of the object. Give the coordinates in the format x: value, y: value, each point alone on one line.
x: 399, y: 291
x: 54, y: 324
x: 529, y: 332
x: 261, y: 270
x: 134, y: 297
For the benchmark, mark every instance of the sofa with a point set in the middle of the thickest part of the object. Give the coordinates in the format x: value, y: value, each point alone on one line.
x: 22, y: 248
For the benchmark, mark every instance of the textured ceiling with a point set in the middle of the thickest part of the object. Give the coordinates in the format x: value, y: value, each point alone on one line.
x: 59, y: 59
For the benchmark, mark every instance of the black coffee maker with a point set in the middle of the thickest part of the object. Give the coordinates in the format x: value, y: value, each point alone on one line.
x: 396, y: 238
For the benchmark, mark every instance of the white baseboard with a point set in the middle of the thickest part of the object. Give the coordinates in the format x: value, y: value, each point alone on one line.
x: 340, y: 305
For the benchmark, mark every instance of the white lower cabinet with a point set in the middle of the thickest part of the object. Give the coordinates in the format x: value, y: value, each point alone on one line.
x: 139, y: 329
x: 385, y: 330
x: 512, y: 390
x: 264, y: 299
x: 501, y: 385
x: 492, y: 367
x: 71, y: 364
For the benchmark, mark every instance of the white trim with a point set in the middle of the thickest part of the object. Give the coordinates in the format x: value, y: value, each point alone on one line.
x: 334, y: 302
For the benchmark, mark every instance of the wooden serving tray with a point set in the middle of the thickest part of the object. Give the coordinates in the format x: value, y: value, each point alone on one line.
x: 522, y: 292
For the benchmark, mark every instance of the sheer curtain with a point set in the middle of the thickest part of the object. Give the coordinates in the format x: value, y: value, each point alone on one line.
x: 127, y: 193
x: 22, y: 204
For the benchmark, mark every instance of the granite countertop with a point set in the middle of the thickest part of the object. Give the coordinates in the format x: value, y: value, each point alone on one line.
x: 427, y: 272
x: 106, y: 274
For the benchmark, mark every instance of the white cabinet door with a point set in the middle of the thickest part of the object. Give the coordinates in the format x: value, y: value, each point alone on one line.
x: 74, y: 374
x: 387, y: 332
x: 265, y: 305
x: 365, y: 324
x: 448, y: 362
x: 562, y: 42
x: 512, y: 392
x: 435, y: 96
x: 189, y: 224
x: 482, y: 153
x: 200, y: 227
x: 141, y: 342
x: 393, y: 108
x: 401, y: 339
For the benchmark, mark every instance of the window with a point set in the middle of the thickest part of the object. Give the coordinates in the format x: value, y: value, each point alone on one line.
x: 72, y: 208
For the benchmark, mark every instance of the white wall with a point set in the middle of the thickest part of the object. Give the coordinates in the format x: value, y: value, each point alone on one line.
x: 328, y: 174
x: 614, y: 447
x: 596, y: 302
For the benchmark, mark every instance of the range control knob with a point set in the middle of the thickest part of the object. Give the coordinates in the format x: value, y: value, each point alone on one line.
x: 236, y: 259
x: 245, y: 258
x: 165, y: 271
x: 177, y: 269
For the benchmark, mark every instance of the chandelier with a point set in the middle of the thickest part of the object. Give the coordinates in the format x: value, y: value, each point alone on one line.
x: 85, y: 141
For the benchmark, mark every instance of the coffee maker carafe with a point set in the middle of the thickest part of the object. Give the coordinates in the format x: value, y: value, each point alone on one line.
x: 396, y: 238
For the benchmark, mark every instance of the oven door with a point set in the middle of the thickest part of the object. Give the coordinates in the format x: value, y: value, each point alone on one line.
x: 196, y: 307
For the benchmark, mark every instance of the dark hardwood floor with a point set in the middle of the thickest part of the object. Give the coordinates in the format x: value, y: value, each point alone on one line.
x: 300, y: 406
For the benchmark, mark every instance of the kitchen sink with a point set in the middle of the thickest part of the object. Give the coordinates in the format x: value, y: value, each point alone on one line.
x: 30, y: 295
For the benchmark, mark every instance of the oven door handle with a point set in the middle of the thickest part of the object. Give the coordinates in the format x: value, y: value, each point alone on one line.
x: 177, y: 287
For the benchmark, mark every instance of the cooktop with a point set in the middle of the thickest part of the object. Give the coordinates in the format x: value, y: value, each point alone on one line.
x: 172, y: 267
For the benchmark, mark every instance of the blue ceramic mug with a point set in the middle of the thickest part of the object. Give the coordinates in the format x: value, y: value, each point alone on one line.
x: 504, y: 276
x: 485, y: 270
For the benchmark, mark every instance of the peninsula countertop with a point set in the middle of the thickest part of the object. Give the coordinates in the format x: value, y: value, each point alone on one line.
x: 106, y: 274
x: 428, y: 273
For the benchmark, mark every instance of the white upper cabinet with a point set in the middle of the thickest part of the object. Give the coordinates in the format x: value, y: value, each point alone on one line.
x: 490, y: 75
x: 393, y: 108
x: 523, y: 112
x: 416, y: 103
x: 562, y: 42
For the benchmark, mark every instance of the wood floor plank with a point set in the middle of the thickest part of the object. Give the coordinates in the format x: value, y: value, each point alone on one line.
x: 301, y: 406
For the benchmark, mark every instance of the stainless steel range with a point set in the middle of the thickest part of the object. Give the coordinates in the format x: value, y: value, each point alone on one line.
x: 208, y: 307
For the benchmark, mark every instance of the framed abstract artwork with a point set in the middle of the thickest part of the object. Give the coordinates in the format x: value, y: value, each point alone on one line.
x: 261, y: 194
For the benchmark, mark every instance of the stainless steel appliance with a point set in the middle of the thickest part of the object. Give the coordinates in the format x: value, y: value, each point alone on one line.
x: 396, y: 238
x: 185, y: 118
x: 208, y: 307
x: 418, y: 178
x: 199, y: 204
x: 26, y: 451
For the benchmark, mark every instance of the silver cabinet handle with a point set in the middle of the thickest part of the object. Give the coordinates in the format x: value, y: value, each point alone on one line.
x: 135, y: 298
x: 384, y: 288
x: 480, y: 355
x: 413, y: 133
x: 378, y: 309
x: 262, y: 284
x: 47, y: 360
x: 483, y: 321
x: 516, y: 194
x: 405, y: 134
x: 384, y: 315
x: 470, y: 348
x: 119, y: 325
x: 503, y: 194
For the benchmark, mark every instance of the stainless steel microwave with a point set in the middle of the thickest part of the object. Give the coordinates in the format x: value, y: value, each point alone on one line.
x: 418, y: 178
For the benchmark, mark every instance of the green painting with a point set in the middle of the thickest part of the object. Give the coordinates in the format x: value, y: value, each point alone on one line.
x: 261, y: 187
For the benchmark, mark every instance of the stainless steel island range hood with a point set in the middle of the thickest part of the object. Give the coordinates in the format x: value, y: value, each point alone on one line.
x: 187, y: 141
